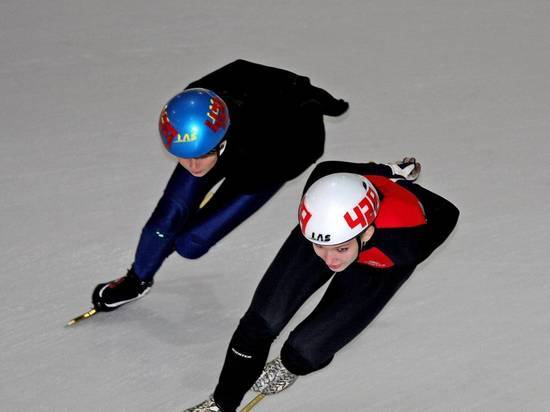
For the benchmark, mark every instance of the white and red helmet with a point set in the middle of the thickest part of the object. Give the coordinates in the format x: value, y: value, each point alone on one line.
x: 337, y: 208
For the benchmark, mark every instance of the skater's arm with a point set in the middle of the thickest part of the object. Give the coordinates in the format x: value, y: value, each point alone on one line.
x: 330, y: 167
x: 412, y: 245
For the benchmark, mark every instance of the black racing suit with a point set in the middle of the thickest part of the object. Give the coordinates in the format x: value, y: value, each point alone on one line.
x: 406, y: 234
x: 276, y: 122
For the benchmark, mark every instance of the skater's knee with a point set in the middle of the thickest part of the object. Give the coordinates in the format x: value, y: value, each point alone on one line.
x: 192, y: 246
x: 254, y: 329
x: 251, y: 340
x: 303, y: 359
x: 167, y: 218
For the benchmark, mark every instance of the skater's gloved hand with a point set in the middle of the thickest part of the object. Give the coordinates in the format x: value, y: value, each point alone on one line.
x: 408, y: 169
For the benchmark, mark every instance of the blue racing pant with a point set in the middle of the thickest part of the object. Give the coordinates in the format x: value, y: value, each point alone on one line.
x: 177, y: 223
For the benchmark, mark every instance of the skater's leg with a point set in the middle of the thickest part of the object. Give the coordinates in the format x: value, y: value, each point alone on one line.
x: 352, y: 300
x: 224, y: 212
x: 295, y: 274
x: 179, y: 202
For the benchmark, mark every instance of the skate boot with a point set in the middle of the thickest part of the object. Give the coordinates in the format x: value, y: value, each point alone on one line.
x: 109, y: 296
x: 207, y: 406
x: 274, y: 378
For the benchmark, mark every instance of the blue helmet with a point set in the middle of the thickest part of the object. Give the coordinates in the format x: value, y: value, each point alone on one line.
x: 193, y: 123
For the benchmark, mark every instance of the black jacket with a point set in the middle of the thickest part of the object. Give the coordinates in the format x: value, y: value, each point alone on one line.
x: 276, y: 116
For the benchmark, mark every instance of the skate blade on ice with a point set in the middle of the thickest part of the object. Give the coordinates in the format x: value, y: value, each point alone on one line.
x: 248, y: 407
x: 93, y: 311
x: 86, y: 315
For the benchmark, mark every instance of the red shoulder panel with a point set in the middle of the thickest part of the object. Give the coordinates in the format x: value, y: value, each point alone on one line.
x: 399, y: 207
x: 375, y: 257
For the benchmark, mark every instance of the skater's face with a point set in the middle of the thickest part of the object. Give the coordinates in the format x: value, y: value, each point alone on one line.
x: 199, y: 166
x: 338, y: 257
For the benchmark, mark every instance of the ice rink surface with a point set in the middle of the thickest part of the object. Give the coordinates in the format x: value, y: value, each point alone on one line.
x: 462, y: 85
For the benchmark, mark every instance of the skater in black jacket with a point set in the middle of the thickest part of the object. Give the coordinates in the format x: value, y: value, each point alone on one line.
x: 366, y: 227
x: 255, y: 126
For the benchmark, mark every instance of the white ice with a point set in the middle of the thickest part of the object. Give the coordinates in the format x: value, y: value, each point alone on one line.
x: 462, y: 85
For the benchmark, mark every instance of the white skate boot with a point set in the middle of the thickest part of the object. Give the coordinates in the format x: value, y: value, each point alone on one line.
x: 274, y: 378
x: 207, y: 406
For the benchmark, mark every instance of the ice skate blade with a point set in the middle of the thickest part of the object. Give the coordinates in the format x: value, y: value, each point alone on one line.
x: 248, y: 407
x: 86, y: 315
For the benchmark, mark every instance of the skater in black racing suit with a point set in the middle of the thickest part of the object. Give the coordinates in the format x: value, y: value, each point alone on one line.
x: 393, y: 227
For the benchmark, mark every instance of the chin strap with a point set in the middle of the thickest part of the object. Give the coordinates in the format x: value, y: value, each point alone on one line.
x: 221, y: 147
x: 359, y: 243
x: 362, y: 245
